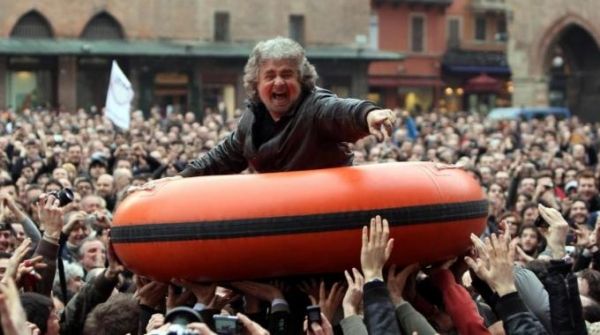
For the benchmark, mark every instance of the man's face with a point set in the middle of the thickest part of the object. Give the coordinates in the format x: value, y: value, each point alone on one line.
x: 74, y: 154
x: 32, y: 150
x: 586, y: 188
x: 278, y: 86
x: 90, y: 204
x: 84, y: 188
x: 578, y: 213
x: 502, y: 179
x: 529, y: 240
x: 5, y: 240
x: 104, y: 186
x: 528, y: 186
x: 93, y: 255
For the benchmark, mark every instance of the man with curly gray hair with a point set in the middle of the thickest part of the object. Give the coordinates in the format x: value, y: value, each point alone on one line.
x: 290, y: 123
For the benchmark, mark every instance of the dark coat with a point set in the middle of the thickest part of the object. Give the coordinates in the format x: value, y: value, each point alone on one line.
x: 313, y: 135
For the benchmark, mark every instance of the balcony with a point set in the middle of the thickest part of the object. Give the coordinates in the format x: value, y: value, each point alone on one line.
x: 489, y: 5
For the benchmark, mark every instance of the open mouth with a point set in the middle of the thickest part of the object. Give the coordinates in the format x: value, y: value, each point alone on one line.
x: 279, y: 96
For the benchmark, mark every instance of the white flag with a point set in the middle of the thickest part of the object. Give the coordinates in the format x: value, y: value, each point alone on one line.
x: 118, y: 98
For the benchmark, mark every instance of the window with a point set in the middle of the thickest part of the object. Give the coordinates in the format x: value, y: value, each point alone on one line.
x: 32, y: 25
x: 480, y: 23
x: 453, y: 33
x: 417, y: 24
x: 374, y: 31
x: 297, y: 28
x: 103, y: 27
x: 501, y: 34
x: 222, y: 27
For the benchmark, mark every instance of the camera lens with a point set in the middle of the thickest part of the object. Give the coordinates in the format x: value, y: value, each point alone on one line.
x: 181, y: 316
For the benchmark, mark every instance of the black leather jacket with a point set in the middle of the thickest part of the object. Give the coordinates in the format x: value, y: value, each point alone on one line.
x: 313, y: 135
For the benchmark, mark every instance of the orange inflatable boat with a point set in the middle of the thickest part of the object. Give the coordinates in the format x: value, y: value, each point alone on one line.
x: 295, y: 223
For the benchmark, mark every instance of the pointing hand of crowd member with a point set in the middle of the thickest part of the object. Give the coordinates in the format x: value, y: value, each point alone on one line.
x: 381, y: 123
x: 376, y: 248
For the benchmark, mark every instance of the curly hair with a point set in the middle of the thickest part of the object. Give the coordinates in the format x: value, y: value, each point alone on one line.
x: 279, y: 48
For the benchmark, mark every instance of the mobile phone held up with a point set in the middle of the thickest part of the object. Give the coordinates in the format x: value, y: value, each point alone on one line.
x: 314, y: 314
x: 227, y: 325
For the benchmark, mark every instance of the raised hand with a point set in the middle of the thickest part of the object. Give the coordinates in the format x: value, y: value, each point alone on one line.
x: 494, y: 264
x: 16, y: 259
x: 354, y: 293
x: 251, y: 327
x: 264, y: 292
x: 376, y: 248
x: 396, y: 282
x: 204, y: 293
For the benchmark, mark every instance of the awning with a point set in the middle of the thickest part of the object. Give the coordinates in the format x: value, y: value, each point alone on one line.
x: 405, y: 82
x: 483, y: 84
x: 470, y: 69
x: 475, y: 62
x: 80, y: 47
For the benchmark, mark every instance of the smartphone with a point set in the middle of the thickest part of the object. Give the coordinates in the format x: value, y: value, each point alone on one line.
x: 314, y: 314
x: 227, y: 325
x: 540, y: 222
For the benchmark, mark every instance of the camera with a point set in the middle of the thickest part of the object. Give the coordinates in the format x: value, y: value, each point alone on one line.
x: 65, y: 196
x: 314, y: 314
x: 227, y: 325
x: 540, y: 222
x: 180, y: 317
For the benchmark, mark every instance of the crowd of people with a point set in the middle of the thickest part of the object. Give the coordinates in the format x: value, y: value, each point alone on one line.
x: 534, y: 270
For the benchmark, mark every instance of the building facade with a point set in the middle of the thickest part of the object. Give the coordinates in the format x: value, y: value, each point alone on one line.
x: 475, y: 71
x: 554, y: 54
x: 416, y: 28
x: 455, y: 54
x: 187, y: 54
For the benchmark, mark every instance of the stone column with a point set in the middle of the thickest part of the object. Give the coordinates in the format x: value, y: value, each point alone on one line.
x: 360, y: 84
x: 530, y: 91
x: 67, y: 83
